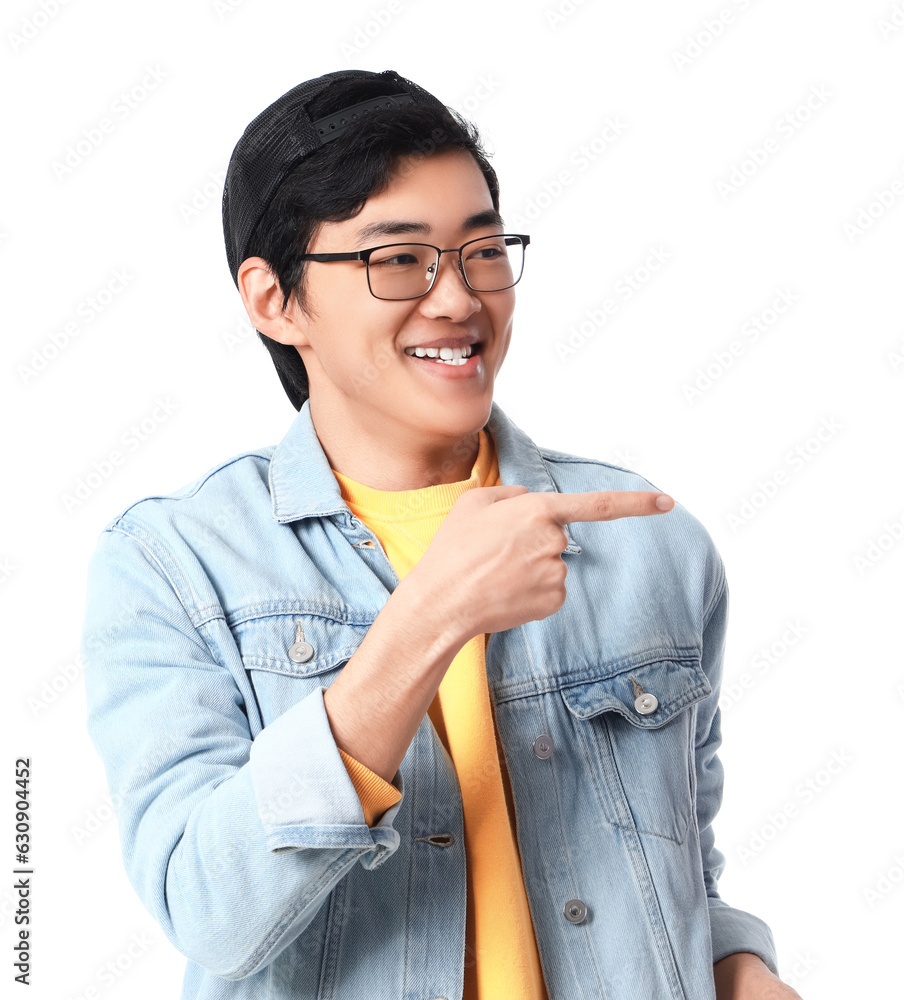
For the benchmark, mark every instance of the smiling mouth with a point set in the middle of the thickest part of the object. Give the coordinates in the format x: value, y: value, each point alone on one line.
x: 445, y: 355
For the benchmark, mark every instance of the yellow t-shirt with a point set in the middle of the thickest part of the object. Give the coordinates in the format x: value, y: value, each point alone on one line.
x: 501, y: 958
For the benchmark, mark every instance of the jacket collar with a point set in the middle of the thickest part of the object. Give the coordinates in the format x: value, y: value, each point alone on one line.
x: 303, y: 485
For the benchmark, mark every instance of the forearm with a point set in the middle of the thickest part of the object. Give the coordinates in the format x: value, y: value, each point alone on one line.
x: 744, y: 976
x: 382, y: 695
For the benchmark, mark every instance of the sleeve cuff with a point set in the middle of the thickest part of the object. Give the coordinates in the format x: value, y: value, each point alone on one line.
x: 375, y: 794
x: 305, y: 796
x: 736, y: 930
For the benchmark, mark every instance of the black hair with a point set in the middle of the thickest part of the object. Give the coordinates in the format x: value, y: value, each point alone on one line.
x: 333, y: 183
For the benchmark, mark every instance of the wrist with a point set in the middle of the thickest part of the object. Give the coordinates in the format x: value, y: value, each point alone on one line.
x: 431, y: 616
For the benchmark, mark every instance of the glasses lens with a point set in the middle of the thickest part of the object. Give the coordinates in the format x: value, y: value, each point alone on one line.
x: 406, y: 270
x: 493, y: 263
x: 401, y: 271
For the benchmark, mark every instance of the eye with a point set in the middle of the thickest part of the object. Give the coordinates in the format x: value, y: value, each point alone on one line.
x: 492, y: 251
x: 398, y: 260
x: 400, y: 255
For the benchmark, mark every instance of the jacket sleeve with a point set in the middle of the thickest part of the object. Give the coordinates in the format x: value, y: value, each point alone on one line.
x: 732, y: 930
x: 232, y: 844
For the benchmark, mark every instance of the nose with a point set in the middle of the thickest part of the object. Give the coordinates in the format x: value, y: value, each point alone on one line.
x: 450, y: 297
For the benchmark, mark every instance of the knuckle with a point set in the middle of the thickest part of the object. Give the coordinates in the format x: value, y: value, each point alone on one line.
x: 606, y: 506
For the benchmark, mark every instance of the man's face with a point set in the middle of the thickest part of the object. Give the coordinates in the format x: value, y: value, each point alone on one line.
x: 353, y: 344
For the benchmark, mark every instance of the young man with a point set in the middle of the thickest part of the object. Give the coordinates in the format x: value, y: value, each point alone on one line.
x: 362, y: 743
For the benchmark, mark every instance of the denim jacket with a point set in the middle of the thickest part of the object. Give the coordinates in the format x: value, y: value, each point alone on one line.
x: 241, y: 830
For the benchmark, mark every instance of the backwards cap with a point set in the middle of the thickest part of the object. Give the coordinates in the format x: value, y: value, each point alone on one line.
x: 282, y: 135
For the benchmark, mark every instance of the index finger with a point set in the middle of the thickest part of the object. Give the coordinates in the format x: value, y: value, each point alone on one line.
x: 608, y: 505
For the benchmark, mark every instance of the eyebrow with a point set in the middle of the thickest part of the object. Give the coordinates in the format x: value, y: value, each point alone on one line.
x: 400, y: 227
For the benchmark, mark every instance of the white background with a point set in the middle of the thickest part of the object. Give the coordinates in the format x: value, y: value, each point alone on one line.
x: 682, y: 177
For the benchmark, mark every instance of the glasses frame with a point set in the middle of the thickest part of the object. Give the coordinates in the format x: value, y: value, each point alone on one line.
x: 365, y: 256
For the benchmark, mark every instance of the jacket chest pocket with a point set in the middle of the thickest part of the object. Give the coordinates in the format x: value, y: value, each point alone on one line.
x: 636, y: 729
x: 285, y: 662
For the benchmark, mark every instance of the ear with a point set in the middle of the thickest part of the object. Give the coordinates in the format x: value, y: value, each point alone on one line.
x: 263, y: 298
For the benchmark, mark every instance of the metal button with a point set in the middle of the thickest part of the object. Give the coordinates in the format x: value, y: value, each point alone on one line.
x: 646, y: 703
x: 301, y: 652
x: 543, y: 746
x: 575, y: 910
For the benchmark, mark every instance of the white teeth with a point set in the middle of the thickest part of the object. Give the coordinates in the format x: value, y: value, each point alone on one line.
x: 447, y: 355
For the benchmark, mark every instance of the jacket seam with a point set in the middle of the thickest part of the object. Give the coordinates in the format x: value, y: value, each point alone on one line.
x: 169, y: 579
x: 719, y: 592
x: 579, y: 678
x: 563, y: 458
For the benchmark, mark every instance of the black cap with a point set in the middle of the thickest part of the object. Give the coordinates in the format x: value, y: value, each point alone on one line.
x: 282, y: 136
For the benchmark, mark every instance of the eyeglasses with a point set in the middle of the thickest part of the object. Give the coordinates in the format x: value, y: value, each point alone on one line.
x: 408, y: 270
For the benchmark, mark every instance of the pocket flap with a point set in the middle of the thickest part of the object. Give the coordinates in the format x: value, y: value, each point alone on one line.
x: 675, y: 684
x: 265, y: 642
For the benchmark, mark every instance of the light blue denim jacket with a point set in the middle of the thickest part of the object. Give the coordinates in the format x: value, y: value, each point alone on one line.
x: 241, y: 830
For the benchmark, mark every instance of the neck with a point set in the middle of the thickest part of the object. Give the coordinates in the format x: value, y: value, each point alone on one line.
x: 385, y: 455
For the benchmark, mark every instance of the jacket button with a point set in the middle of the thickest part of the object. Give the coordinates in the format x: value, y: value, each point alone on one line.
x: 301, y: 652
x: 543, y: 746
x: 575, y: 910
x: 646, y: 703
